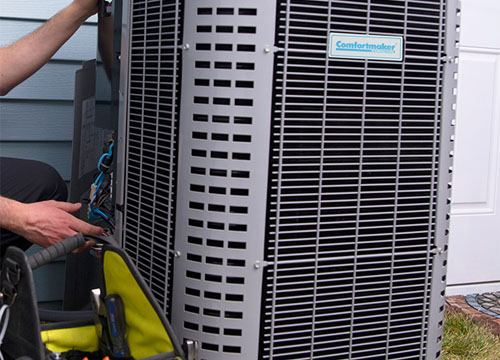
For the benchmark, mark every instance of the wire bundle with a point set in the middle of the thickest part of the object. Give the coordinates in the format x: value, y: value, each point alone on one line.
x: 100, y: 193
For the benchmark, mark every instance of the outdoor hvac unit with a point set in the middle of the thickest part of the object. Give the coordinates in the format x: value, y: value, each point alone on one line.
x: 284, y: 172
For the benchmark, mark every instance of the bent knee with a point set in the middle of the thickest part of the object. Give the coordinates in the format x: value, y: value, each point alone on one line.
x: 52, y: 184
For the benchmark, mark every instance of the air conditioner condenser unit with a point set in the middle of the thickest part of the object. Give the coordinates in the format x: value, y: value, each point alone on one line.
x: 284, y: 171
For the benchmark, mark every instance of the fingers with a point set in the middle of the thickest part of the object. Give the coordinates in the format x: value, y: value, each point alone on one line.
x: 74, y: 225
x: 85, y: 247
x: 68, y: 207
x: 85, y: 228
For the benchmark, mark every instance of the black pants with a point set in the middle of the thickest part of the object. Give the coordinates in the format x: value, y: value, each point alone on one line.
x: 27, y: 181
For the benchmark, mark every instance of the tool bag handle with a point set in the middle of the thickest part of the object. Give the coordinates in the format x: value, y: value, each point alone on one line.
x: 55, y: 251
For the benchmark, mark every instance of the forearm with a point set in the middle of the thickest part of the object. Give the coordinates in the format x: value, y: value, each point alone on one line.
x: 10, y: 212
x: 24, y: 57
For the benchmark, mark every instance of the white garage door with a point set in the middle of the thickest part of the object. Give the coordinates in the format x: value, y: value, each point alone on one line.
x: 474, y: 250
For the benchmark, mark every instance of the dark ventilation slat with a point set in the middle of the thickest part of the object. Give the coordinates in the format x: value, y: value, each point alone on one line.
x: 152, y: 141
x: 353, y: 181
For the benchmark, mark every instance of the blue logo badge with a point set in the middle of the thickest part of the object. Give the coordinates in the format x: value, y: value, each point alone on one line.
x: 373, y: 47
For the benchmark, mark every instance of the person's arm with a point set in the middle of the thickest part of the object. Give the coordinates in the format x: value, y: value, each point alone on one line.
x: 24, y: 57
x: 43, y: 223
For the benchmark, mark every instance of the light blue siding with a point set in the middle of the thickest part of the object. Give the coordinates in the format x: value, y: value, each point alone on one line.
x: 36, y: 117
x: 23, y: 119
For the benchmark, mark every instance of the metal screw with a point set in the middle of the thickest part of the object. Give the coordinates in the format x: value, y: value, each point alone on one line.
x: 257, y: 265
x: 185, y: 46
x: 267, y: 48
x: 177, y: 254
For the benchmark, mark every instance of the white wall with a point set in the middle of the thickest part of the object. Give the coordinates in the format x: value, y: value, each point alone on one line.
x: 474, y: 249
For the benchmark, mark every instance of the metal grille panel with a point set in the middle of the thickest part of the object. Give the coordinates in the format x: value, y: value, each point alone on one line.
x: 152, y: 123
x: 353, y: 184
x: 223, y: 154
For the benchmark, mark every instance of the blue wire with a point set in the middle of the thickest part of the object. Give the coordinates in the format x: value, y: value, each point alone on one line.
x: 100, y: 182
x: 97, y: 179
x: 97, y: 186
x: 109, y: 153
x: 101, y: 159
x: 102, y: 214
x: 97, y: 183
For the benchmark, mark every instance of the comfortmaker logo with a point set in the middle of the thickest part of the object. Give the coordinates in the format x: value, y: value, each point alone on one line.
x: 364, y: 47
x: 388, y: 48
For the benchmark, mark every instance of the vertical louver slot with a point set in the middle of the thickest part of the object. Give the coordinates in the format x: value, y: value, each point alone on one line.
x: 154, y: 78
x: 353, y: 183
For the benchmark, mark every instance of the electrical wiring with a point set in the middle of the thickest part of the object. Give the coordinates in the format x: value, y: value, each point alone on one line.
x: 102, y: 199
x: 104, y: 216
x: 108, y: 154
x: 100, y: 193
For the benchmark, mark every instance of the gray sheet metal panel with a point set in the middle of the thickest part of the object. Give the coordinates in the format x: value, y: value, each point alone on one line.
x: 437, y: 303
x: 222, y: 179
x: 122, y: 119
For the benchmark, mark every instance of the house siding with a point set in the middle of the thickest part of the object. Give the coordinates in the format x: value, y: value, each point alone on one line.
x: 36, y: 117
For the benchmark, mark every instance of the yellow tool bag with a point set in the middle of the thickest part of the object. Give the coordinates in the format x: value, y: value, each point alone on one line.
x: 125, y: 321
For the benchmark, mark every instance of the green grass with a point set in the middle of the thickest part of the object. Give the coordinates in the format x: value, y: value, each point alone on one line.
x: 465, y: 340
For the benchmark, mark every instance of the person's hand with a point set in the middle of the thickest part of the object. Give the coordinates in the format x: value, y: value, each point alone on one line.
x: 87, y: 7
x: 48, y: 222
